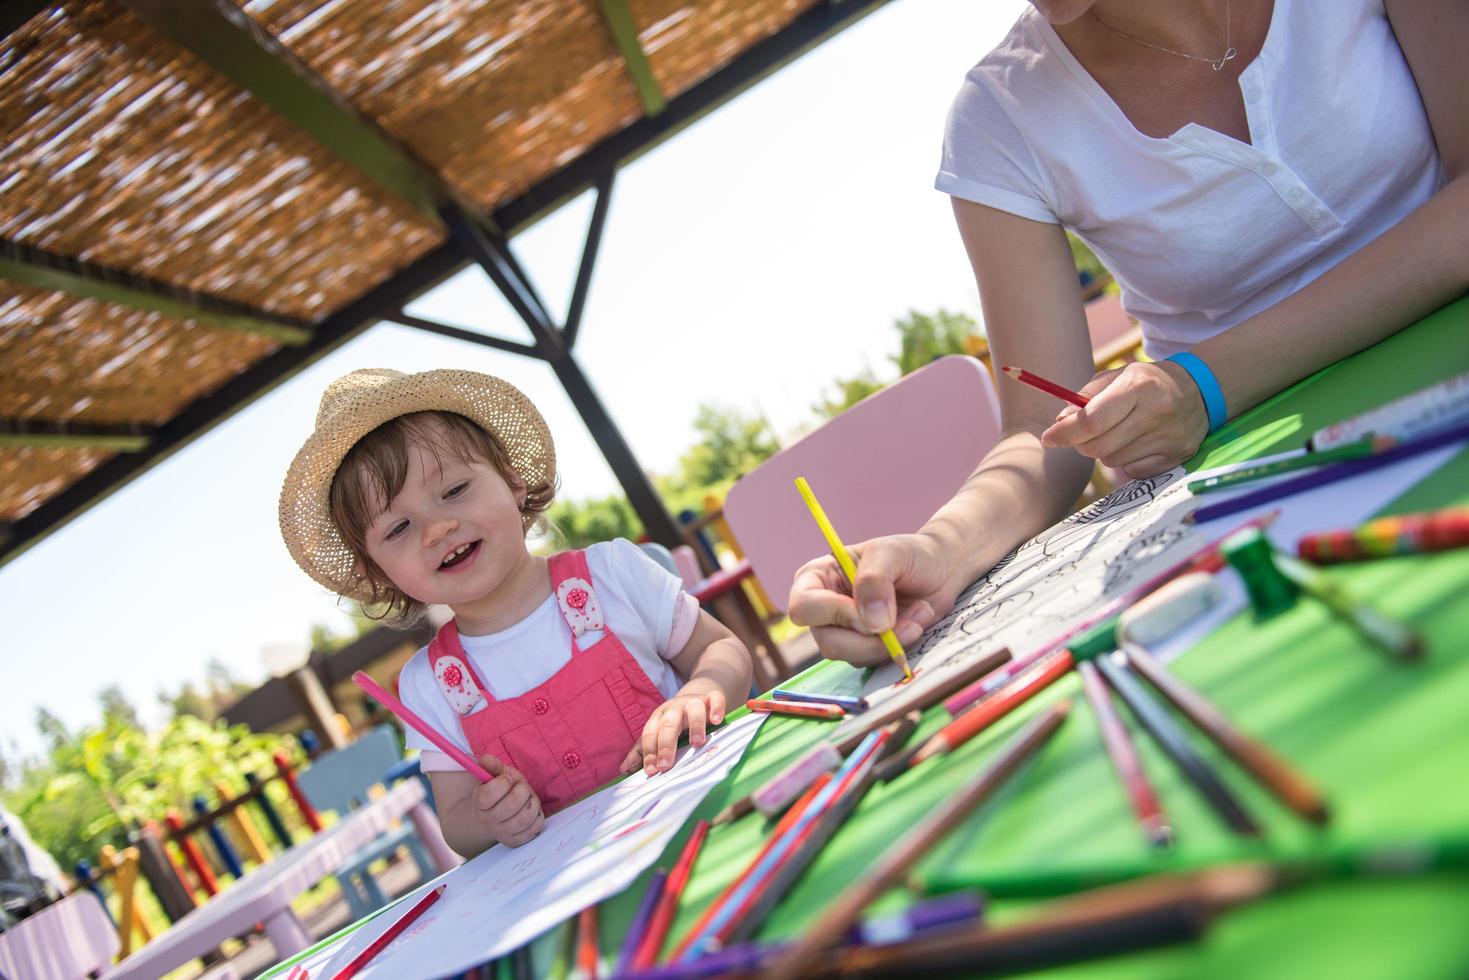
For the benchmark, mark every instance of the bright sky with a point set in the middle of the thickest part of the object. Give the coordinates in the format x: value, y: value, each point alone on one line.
x: 748, y: 262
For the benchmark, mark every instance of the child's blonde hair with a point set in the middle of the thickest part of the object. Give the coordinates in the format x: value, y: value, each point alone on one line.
x: 373, y: 473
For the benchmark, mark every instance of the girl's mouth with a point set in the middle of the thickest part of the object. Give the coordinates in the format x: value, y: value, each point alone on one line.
x: 461, y: 557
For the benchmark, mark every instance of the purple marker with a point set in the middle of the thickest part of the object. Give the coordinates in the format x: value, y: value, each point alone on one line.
x: 945, y: 912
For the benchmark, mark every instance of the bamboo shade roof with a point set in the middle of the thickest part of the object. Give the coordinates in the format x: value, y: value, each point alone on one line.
x: 133, y: 166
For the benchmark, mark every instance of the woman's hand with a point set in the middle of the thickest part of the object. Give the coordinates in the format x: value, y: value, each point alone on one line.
x: 695, y: 710
x: 1143, y: 419
x: 506, y: 806
x: 904, y: 583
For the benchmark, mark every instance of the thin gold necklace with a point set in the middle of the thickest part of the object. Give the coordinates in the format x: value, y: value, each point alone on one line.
x: 1216, y: 63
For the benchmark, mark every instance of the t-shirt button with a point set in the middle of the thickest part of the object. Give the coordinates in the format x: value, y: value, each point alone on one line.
x: 1295, y: 194
x: 1252, y: 96
x: 540, y: 706
x: 1267, y: 168
x: 571, y: 760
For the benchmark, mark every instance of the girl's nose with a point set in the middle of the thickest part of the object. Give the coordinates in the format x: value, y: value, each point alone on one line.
x: 437, y: 530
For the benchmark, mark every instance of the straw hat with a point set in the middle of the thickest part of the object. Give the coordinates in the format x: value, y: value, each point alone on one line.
x: 357, y: 403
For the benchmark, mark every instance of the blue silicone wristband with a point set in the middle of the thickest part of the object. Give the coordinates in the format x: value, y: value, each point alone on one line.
x: 1207, y: 384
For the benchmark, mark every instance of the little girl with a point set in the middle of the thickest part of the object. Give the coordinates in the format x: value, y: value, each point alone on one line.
x: 558, y: 673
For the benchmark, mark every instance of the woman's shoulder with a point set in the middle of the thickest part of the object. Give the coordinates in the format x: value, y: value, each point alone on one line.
x: 1024, y: 64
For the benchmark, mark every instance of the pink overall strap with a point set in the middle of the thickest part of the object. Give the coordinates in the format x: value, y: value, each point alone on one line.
x: 456, y: 675
x: 576, y: 598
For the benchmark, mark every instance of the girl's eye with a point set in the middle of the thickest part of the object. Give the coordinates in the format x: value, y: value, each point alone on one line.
x: 397, y: 529
x: 456, y: 490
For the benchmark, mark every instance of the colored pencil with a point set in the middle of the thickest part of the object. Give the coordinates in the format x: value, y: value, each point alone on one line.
x: 1049, y: 387
x: 588, y: 948
x: 1251, y: 474
x: 732, y: 903
x: 393, y: 931
x: 935, y: 688
x: 1137, y: 915
x: 1392, y: 637
x: 1294, y: 790
x: 662, y: 918
x: 522, y: 967
x: 1405, y: 534
x: 639, y: 925
x: 824, y: 712
x: 741, y: 807
x: 919, y: 839
x: 854, y: 705
x: 924, y: 918
x: 466, y: 762
x: 1329, y: 474
x: 563, y: 950
x: 986, y: 713
x: 1207, y: 558
x: 778, y: 792
x: 1175, y: 745
x: 1129, y: 768
x: 849, y: 569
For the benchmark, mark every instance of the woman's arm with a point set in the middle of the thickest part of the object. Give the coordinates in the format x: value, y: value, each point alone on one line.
x: 1033, y: 318
x: 719, y: 670
x: 1149, y: 417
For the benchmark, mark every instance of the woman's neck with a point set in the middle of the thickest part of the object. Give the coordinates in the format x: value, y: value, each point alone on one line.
x: 1183, y: 25
x: 524, y: 587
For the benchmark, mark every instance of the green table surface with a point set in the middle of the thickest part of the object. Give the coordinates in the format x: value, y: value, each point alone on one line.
x: 1388, y: 743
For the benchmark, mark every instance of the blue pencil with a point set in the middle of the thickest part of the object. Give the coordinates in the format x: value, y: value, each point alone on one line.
x: 852, y: 704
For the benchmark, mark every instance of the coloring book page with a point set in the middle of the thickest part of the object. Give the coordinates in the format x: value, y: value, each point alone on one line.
x: 1056, y: 580
x: 505, y: 897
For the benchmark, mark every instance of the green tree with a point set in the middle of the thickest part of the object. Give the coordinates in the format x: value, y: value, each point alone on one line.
x: 1085, y: 260
x: 850, y: 391
x: 923, y: 337
x: 580, y: 523
x: 115, y: 704
x: 732, y: 444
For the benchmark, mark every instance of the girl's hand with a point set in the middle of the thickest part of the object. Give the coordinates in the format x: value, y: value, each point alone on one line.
x: 693, y: 710
x: 506, y: 806
x: 1143, y: 419
x: 904, y: 583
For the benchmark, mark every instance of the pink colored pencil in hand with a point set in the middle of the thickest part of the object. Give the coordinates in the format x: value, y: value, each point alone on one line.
x: 422, y: 727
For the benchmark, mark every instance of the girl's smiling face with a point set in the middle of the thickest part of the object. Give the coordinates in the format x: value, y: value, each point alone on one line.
x: 453, y: 534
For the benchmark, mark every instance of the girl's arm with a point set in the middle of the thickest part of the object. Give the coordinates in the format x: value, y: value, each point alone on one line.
x: 719, y: 670
x: 1147, y: 418
x: 475, y: 815
x: 1034, y: 319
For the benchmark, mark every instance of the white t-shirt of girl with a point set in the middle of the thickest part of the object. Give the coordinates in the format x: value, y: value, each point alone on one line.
x: 642, y: 603
x: 1201, y: 230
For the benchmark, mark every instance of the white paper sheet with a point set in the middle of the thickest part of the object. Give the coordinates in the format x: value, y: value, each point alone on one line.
x: 1066, y: 573
x: 506, y: 897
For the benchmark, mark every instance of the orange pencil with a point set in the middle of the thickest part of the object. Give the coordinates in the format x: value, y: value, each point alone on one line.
x: 986, y: 713
x: 826, y: 712
x: 1049, y: 387
x: 673, y: 887
x: 588, y: 954
x: 393, y: 932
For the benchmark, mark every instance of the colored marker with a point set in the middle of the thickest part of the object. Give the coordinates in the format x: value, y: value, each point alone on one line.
x: 394, y: 930
x: 854, y: 705
x: 640, y: 920
x: 1393, y: 638
x: 1405, y: 534
x: 1124, y: 758
x: 849, y: 569
x: 825, y: 712
x: 1354, y: 450
x: 780, y: 791
x: 1327, y: 475
x: 1049, y: 387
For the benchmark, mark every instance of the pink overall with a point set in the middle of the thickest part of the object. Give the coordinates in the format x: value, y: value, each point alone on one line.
x: 569, y: 735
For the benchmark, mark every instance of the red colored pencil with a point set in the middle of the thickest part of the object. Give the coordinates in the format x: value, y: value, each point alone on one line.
x: 1049, y: 387
x: 662, y: 918
x: 825, y: 712
x: 588, y: 955
x: 394, y: 930
x: 1120, y: 750
x: 986, y: 713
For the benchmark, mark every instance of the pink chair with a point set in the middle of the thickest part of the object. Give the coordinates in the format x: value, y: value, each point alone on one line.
x: 883, y: 466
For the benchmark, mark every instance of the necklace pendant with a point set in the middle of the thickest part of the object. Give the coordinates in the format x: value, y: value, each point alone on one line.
x: 1219, y: 65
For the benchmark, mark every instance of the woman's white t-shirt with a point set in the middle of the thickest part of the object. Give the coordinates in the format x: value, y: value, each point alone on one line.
x: 1201, y: 230
x: 642, y: 603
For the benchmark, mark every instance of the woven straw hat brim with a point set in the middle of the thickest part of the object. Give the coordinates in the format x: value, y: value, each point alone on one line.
x: 356, y: 404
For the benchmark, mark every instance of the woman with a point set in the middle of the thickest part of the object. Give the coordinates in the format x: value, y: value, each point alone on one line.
x: 1275, y: 186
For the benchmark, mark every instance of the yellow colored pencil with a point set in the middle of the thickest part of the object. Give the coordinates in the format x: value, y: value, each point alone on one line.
x: 849, y: 569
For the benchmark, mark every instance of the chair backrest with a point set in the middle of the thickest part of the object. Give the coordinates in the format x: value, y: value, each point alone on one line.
x: 884, y: 466
x: 66, y: 941
x: 339, y: 779
x: 688, y: 565
x: 661, y: 555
